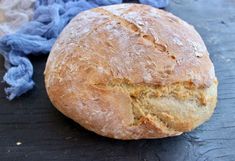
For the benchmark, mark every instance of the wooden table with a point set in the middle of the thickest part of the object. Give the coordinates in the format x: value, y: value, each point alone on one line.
x: 31, y: 129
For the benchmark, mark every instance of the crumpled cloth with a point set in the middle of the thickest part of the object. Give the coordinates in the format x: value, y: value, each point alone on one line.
x: 155, y: 3
x: 13, y: 14
x: 37, y: 37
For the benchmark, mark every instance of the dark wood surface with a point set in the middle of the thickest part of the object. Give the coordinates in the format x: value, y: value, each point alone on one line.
x: 47, y: 135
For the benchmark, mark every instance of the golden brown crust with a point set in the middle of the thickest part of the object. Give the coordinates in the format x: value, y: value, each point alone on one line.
x: 127, y: 71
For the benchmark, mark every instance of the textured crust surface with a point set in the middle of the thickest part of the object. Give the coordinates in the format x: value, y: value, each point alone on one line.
x: 131, y: 71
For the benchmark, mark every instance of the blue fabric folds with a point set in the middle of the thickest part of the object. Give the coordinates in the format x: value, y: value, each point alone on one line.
x: 38, y: 36
x: 155, y: 3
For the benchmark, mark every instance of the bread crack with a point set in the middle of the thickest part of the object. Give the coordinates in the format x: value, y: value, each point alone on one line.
x: 141, y: 109
x: 134, y: 28
x: 142, y: 94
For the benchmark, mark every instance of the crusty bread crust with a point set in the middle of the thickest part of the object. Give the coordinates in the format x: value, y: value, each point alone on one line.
x: 131, y: 71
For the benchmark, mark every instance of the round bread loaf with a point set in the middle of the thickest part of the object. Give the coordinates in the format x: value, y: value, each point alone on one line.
x: 131, y: 71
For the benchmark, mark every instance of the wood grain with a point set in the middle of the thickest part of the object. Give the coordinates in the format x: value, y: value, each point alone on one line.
x: 46, y: 134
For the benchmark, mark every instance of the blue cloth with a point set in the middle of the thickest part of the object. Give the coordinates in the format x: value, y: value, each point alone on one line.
x: 155, y: 3
x: 38, y: 36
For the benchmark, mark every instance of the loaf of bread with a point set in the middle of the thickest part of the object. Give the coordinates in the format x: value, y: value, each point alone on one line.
x: 131, y: 71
